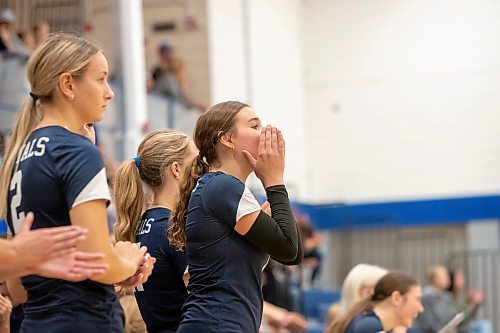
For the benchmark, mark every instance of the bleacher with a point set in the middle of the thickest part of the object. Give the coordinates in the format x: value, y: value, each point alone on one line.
x: 316, y: 305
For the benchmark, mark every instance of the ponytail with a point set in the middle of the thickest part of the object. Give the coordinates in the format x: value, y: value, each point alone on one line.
x: 340, y: 325
x: 129, y: 201
x: 27, y: 120
x: 177, y: 230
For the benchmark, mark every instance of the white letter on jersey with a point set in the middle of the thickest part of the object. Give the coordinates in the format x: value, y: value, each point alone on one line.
x: 41, y: 146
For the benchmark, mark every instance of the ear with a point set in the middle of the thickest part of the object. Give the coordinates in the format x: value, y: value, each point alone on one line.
x: 65, y: 84
x: 396, y: 298
x: 175, y: 168
x: 225, y: 139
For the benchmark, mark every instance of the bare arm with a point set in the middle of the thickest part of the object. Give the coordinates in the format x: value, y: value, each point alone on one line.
x: 122, y: 260
x: 12, y: 272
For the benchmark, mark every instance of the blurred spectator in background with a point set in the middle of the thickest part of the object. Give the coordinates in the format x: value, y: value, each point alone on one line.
x: 438, y: 302
x: 466, y: 302
x: 41, y: 32
x: 10, y: 44
x: 311, y: 241
x: 28, y: 39
x: 170, y: 78
x: 170, y: 74
x: 150, y: 83
x: 358, y: 285
x: 281, y: 286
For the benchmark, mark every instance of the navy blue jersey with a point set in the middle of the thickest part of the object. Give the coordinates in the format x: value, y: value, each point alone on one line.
x: 225, y: 269
x: 161, y: 298
x: 55, y: 171
x: 366, y: 322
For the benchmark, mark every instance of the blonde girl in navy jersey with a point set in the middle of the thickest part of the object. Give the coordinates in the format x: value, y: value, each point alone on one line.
x: 58, y: 174
x: 161, y: 162
x: 228, y: 237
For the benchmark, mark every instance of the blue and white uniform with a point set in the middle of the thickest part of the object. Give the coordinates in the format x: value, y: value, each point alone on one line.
x: 57, y: 170
x: 161, y: 298
x: 225, y: 268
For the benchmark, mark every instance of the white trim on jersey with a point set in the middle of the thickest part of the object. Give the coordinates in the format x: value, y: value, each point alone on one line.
x: 97, y: 188
x: 267, y: 262
x: 247, y: 205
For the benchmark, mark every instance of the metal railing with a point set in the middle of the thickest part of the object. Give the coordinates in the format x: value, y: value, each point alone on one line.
x: 163, y: 112
x: 62, y: 15
x: 482, y: 270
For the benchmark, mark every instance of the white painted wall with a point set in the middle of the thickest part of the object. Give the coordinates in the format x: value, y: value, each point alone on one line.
x: 228, y: 73
x: 402, y: 98
x: 255, y: 56
x: 379, y: 100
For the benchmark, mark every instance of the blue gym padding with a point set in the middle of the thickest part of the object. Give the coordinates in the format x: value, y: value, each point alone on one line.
x: 317, y: 302
x: 402, y: 213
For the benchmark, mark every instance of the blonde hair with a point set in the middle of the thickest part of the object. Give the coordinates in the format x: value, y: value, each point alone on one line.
x: 359, y: 276
x: 386, y: 285
x: 156, y: 152
x: 218, y: 119
x: 60, y: 53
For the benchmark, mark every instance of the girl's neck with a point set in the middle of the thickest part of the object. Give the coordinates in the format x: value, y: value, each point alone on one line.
x: 165, y: 197
x: 55, y: 116
x: 233, y: 168
x: 386, y: 315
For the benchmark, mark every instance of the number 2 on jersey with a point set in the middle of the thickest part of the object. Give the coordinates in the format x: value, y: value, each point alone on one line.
x: 15, y: 184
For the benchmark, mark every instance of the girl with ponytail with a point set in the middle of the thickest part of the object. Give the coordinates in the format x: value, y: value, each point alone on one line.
x: 396, y: 302
x: 162, y: 161
x: 52, y: 170
x: 227, y: 236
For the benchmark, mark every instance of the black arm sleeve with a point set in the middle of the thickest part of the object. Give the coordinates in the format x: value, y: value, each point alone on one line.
x: 300, y: 252
x: 277, y: 235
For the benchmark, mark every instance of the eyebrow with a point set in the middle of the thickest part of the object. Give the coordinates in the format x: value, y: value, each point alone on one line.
x: 255, y: 118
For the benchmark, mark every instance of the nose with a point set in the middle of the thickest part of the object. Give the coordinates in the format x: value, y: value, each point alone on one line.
x: 109, y: 94
x: 420, y: 308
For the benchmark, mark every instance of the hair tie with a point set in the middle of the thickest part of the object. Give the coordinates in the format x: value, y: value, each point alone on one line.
x: 203, y: 160
x: 35, y: 97
x: 137, y: 161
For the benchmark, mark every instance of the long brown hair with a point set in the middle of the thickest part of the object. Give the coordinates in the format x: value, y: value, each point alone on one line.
x: 218, y: 119
x: 389, y: 283
x: 156, y: 152
x: 60, y: 53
